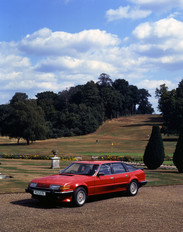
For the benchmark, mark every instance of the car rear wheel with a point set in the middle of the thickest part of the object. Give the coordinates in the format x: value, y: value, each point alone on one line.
x: 80, y: 196
x: 133, y: 188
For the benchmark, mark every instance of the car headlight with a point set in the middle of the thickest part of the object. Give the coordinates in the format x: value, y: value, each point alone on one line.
x: 59, y: 187
x: 33, y: 185
x: 54, y: 187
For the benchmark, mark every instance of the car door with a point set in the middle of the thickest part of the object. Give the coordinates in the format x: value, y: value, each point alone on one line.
x: 104, y: 182
x: 121, y: 177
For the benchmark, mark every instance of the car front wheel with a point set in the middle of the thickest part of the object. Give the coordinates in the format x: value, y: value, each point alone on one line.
x: 80, y: 196
x: 133, y: 188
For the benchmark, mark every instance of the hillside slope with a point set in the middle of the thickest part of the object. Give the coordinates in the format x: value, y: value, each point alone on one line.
x: 126, y: 134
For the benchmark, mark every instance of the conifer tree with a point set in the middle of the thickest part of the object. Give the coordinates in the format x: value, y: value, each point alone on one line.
x: 178, y: 154
x: 154, y: 152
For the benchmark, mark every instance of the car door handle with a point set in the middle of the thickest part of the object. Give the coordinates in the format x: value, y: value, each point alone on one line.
x: 112, y: 178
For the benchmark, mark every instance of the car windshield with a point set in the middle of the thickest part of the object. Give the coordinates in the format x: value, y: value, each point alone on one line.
x: 80, y: 169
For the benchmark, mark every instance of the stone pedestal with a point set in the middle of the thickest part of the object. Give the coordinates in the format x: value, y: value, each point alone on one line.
x: 55, y: 162
x: 4, y: 177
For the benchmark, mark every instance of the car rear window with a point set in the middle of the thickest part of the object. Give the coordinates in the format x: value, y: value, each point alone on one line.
x: 130, y: 168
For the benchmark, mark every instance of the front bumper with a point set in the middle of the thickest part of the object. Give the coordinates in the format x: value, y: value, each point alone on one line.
x: 48, y: 192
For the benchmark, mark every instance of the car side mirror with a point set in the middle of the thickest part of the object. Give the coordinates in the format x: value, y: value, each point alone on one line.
x: 100, y: 174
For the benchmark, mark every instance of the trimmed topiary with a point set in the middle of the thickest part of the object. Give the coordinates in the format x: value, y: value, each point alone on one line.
x: 178, y: 154
x: 154, y: 152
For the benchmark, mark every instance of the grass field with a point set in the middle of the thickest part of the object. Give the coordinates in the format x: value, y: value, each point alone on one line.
x: 23, y: 171
x: 126, y: 135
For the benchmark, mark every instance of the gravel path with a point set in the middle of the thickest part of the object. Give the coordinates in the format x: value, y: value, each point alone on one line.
x: 153, y: 209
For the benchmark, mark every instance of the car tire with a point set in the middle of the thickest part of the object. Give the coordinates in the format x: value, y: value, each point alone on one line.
x: 133, y: 188
x: 80, y: 196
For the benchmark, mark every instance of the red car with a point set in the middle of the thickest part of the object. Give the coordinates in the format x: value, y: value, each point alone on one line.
x: 86, y: 178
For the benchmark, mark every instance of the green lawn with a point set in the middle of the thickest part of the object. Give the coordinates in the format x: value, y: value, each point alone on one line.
x: 22, y: 171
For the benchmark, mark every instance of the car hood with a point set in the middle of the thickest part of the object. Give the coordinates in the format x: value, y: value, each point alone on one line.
x: 61, y: 179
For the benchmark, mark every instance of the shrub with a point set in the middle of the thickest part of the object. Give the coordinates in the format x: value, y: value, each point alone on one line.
x: 126, y: 158
x: 35, y: 157
x: 154, y: 152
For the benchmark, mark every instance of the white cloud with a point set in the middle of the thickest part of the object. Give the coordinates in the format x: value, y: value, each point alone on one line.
x: 140, y: 9
x: 59, y: 43
x: 47, y: 60
x: 153, y: 84
x: 74, y: 65
x: 127, y: 12
x: 161, y: 43
x: 143, y: 31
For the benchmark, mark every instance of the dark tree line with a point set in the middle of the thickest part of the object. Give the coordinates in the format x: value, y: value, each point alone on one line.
x: 77, y: 111
x: 170, y: 104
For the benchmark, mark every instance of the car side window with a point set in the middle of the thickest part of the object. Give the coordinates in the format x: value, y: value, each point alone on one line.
x: 106, y: 169
x: 118, y: 168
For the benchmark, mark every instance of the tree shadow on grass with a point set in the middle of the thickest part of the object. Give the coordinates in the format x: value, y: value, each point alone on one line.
x: 157, y: 120
x: 13, y: 144
x: 140, y: 125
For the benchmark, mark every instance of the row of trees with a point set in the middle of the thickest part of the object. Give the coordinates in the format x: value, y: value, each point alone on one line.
x: 77, y: 111
x: 154, y: 153
x: 170, y: 104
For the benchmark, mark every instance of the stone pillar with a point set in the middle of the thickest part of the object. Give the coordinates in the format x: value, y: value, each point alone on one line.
x: 55, y: 162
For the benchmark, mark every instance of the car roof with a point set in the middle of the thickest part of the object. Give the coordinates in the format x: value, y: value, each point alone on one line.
x: 97, y: 162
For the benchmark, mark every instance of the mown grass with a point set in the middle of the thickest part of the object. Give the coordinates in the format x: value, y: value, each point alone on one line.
x: 161, y: 177
x: 22, y: 171
x: 123, y: 135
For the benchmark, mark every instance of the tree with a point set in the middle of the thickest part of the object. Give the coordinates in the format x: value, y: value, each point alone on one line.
x: 170, y: 103
x: 104, y: 80
x: 4, y: 113
x: 144, y: 106
x: 133, y: 99
x: 19, y: 97
x: 154, y: 152
x: 109, y: 100
x: 90, y: 94
x: 47, y: 102
x: 179, y: 106
x: 24, y: 119
x: 178, y: 154
x: 122, y: 87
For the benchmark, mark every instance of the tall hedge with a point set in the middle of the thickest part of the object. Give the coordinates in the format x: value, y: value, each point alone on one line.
x: 154, y: 152
x: 178, y: 154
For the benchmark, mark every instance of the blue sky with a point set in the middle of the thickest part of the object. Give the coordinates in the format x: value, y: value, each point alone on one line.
x: 51, y: 45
